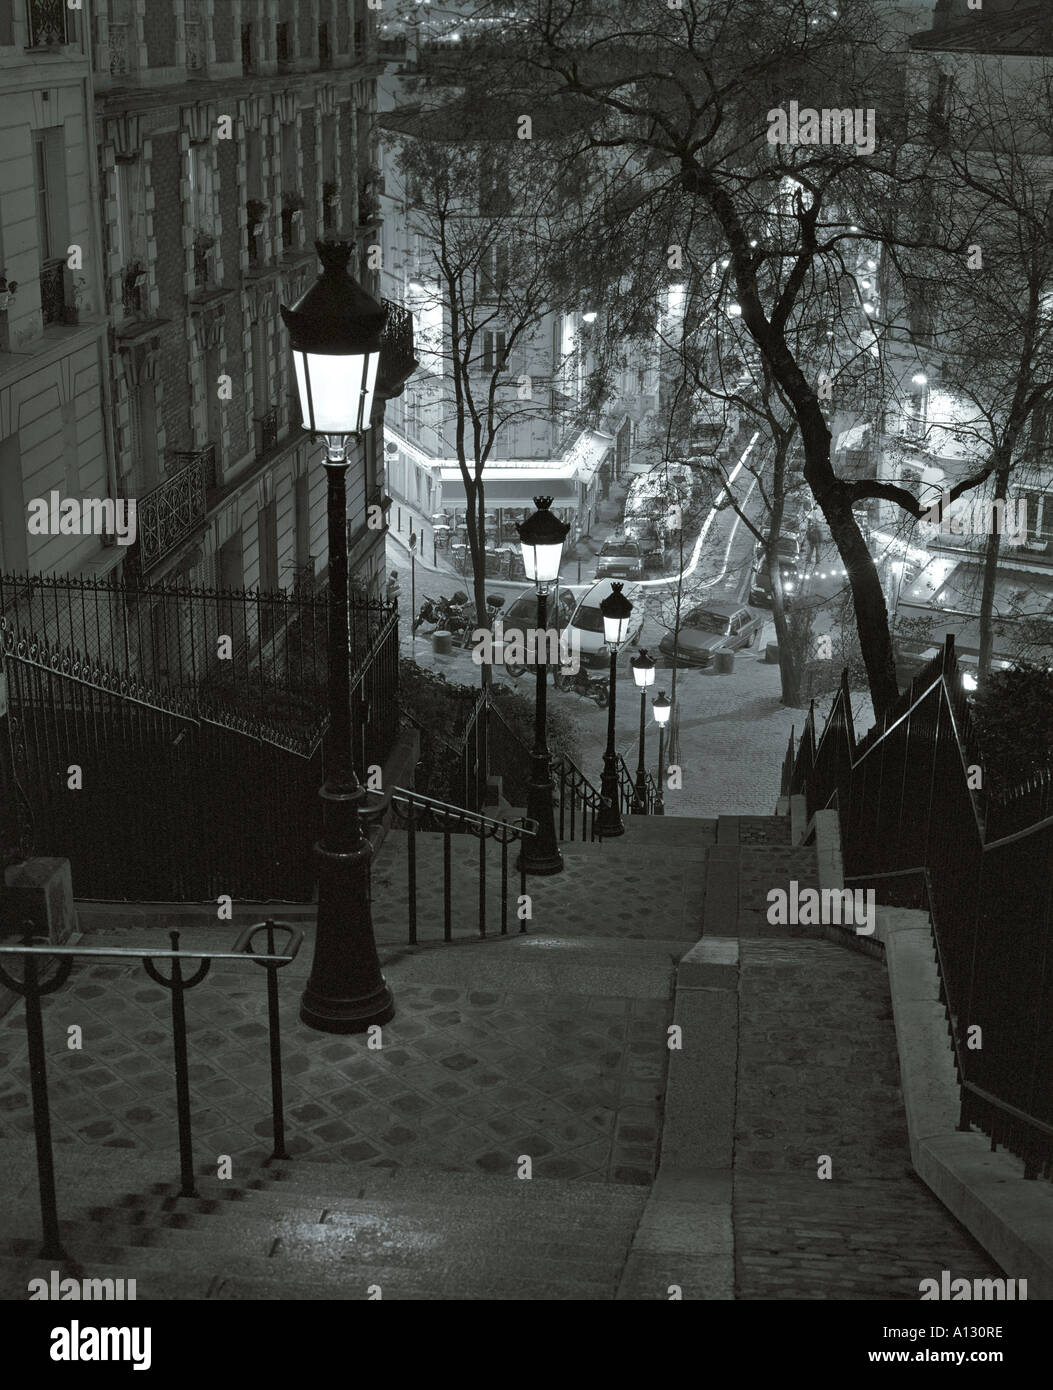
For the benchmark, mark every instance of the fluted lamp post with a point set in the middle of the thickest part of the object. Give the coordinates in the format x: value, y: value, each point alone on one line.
x: 541, y: 536
x: 616, y: 610
x: 643, y: 674
x: 335, y: 332
x: 662, y: 707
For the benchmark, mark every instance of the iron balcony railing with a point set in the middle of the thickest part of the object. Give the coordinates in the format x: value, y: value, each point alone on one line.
x: 915, y: 829
x: 268, y: 430
x: 33, y: 986
x: 48, y: 20
x: 397, y: 362
x: 53, y: 292
x: 118, y: 40
x: 172, y: 512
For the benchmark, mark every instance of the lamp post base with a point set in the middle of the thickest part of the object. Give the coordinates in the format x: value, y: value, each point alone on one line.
x: 346, y: 992
x: 541, y: 864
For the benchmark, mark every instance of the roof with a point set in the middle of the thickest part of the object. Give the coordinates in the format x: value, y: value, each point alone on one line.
x: 722, y: 607
x: 1025, y: 30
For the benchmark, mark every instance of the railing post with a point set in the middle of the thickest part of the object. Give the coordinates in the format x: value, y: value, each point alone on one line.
x: 244, y: 943
x: 411, y: 851
x: 178, y: 987
x: 31, y: 989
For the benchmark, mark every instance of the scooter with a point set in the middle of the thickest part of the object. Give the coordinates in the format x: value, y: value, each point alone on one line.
x: 581, y: 683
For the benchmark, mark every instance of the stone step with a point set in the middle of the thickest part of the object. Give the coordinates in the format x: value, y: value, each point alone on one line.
x: 753, y: 830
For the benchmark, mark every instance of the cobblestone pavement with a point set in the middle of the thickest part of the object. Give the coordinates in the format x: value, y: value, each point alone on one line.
x: 819, y: 1075
x: 468, y: 1078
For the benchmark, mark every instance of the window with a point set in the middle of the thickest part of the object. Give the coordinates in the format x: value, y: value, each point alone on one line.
x: 493, y: 190
x: 494, y: 351
x: 493, y: 271
x: 143, y: 475
x: 49, y: 169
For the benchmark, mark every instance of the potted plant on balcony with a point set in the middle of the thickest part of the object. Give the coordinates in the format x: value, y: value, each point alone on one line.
x: 8, y: 289
x: 330, y: 193
x: 292, y: 203
x: 256, y: 212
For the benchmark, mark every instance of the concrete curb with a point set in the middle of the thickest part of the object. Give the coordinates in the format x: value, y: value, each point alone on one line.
x: 685, y: 1241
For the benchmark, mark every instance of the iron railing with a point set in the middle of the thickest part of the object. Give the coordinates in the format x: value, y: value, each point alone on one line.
x: 397, y: 362
x: 268, y: 430
x: 627, y: 791
x: 168, y: 635
x: 33, y: 987
x: 417, y: 813
x: 118, y: 40
x: 170, y: 513
x: 53, y: 292
x: 914, y: 828
x: 47, y: 23
x: 176, y: 797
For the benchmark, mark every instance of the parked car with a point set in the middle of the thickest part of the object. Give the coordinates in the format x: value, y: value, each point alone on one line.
x: 585, y: 630
x: 620, y: 558
x: 788, y: 549
x: 713, y: 627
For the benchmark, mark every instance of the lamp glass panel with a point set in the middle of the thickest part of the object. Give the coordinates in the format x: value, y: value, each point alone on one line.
x: 661, y: 713
x: 341, y: 394
x: 542, y: 562
x: 615, y: 630
x: 644, y: 675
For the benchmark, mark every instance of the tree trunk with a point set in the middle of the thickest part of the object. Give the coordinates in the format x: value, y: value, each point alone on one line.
x: 991, y: 554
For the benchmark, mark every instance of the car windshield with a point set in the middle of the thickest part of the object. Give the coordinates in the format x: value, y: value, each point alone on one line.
x: 589, y: 619
x: 708, y: 622
x: 620, y: 548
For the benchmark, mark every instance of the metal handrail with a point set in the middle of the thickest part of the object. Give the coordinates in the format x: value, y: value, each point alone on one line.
x: 418, y: 798
x: 32, y: 989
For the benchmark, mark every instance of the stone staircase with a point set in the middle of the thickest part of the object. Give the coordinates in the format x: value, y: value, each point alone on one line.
x: 323, y: 1231
x: 607, y: 932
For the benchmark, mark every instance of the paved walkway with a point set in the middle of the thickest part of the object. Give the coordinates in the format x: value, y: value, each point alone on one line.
x: 818, y: 1075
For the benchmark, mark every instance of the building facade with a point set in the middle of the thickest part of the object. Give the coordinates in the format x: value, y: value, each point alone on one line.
x: 55, y: 425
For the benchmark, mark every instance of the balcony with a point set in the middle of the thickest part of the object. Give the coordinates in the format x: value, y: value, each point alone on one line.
x: 171, y: 513
x: 267, y: 432
x: 397, y: 362
x: 47, y: 20
x: 120, y: 63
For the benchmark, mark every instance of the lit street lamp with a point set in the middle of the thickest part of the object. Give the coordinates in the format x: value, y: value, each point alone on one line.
x: 643, y: 674
x: 541, y: 536
x: 662, y: 706
x: 616, y: 610
x: 335, y: 333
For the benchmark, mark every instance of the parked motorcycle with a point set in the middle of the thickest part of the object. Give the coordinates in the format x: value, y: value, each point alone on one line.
x: 581, y: 683
x: 451, y: 614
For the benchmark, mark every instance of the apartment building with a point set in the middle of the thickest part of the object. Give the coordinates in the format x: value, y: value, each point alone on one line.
x: 55, y: 424
x: 230, y: 137
x: 552, y: 444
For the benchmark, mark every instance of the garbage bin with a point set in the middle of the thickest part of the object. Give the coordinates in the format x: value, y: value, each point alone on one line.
x: 725, y: 662
x: 442, y: 643
x: 771, y: 654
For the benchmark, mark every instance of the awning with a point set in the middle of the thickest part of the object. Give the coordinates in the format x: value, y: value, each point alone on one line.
x: 511, y: 492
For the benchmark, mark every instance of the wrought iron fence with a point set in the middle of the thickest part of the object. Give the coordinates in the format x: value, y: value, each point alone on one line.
x: 118, y: 38
x: 260, y: 654
x: 914, y: 828
x: 397, y: 361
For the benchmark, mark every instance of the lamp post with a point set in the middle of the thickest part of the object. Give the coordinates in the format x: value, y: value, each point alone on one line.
x: 643, y: 674
x: 616, y: 610
x: 541, y: 536
x: 335, y: 333
x: 662, y: 706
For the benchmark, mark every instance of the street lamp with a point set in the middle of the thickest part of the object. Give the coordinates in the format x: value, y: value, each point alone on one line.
x: 541, y: 536
x: 643, y: 674
x: 335, y: 333
x: 662, y: 707
x: 616, y: 610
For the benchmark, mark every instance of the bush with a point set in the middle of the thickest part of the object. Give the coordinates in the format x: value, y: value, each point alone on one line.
x: 1013, y: 715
